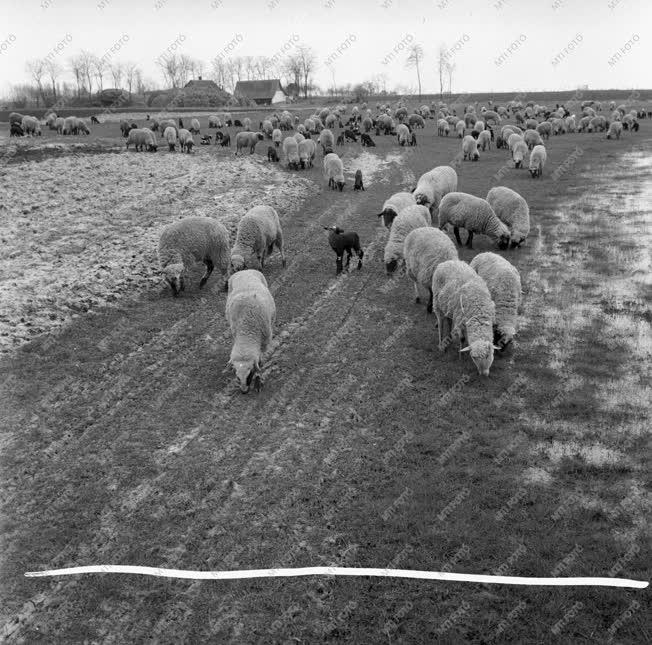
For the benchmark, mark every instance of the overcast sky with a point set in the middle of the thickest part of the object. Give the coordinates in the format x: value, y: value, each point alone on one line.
x: 371, y: 36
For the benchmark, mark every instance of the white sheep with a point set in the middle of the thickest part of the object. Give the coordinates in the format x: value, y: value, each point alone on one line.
x: 194, y: 128
x: 504, y: 284
x: 464, y: 309
x: 59, y: 124
x: 141, y: 138
x: 442, y: 128
x: 268, y: 128
x: 259, y: 231
x: 334, y: 171
x: 484, y: 140
x: 249, y: 140
x: 170, y: 135
x: 291, y: 152
x: 31, y: 125
x: 615, y: 130
x: 433, y: 185
x: 470, y: 148
x: 532, y: 138
x: 326, y: 140
x: 402, y: 134
x: 511, y: 209
x: 393, y: 206
x: 251, y: 314
x: 424, y: 249
x: 513, y: 139
x: 189, y: 241
x: 277, y: 137
x: 459, y: 128
x: 538, y: 158
x: 410, y: 218
x: 246, y: 123
x: 519, y: 151
x: 462, y: 210
x: 186, y: 142
x: 214, y: 121
x: 306, y: 153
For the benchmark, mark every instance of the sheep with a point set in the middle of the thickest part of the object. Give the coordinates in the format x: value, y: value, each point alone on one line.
x: 570, y: 123
x: 251, y: 314
x: 31, y: 125
x: 615, y: 130
x: 531, y: 124
x: 511, y: 209
x: 51, y: 120
x: 477, y: 129
x: 462, y: 302
x: 16, y: 130
x: 597, y: 123
x: 306, y: 152
x: 402, y: 134
x: 470, y: 148
x: 214, y: 121
x: 259, y: 231
x: 272, y: 154
x: 490, y: 115
x: 538, y: 158
x: 532, y: 138
x: 393, y: 206
x: 225, y: 140
x: 357, y: 183
x: 558, y: 126
x: 513, y: 139
x: 189, y: 241
x: 277, y: 137
x: 475, y: 215
x: 334, y: 171
x: 484, y: 140
x: 142, y: 138
x: 268, y: 128
x: 367, y: 124
x: 470, y: 120
x: 519, y: 151
x: 16, y: 117
x: 433, y: 185
x: 170, y: 135
x: 424, y: 249
x: 186, y: 142
x: 59, y: 123
x: 504, y: 284
x: 410, y: 218
x: 366, y: 140
x: 291, y: 152
x: 237, y: 123
x: 246, y: 123
x: 416, y: 121
x: 194, y: 127
x: 442, y: 128
x: 69, y: 125
x: 167, y: 123
x: 327, y: 140
x: 298, y: 137
x: 341, y: 243
x: 247, y: 140
x: 459, y: 128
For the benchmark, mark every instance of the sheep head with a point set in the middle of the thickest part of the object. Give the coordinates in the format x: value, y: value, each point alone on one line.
x: 174, y: 277
x: 482, y: 355
x: 247, y: 373
x: 237, y: 262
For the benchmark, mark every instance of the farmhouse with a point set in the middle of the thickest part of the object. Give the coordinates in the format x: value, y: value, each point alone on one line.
x: 262, y: 92
x: 201, y: 85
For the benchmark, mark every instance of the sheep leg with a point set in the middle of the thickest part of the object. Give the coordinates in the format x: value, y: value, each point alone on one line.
x: 469, y: 240
x: 348, y: 258
x: 360, y: 255
x: 338, y: 265
x: 430, y: 299
x: 417, y: 298
x: 209, y: 269
x: 279, y: 246
x: 456, y: 230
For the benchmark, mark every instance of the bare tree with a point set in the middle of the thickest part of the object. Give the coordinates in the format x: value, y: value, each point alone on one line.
x: 53, y: 70
x: 219, y: 72
x: 442, y: 60
x: 76, y: 68
x: 117, y: 70
x: 308, y: 63
x: 170, y: 68
x: 36, y: 69
x: 414, y: 59
x: 131, y: 70
x: 100, y: 66
x: 450, y: 70
x: 86, y: 60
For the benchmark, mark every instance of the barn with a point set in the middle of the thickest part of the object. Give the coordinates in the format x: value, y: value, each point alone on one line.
x: 262, y: 92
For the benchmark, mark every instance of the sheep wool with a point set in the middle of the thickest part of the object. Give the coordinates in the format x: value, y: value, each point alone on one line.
x: 532, y: 138
x: 291, y: 152
x: 470, y: 148
x: 334, y: 171
x: 170, y: 135
x: 538, y: 158
x: 403, y: 134
x: 306, y: 153
x: 504, y: 284
x: 410, y: 218
x: 511, y: 209
x: 484, y: 140
x: 424, y: 249
x: 615, y: 130
x: 141, y: 138
x: 464, y: 309
x: 245, y: 140
x: 251, y: 314
x: 394, y: 205
x: 459, y: 128
x: 462, y: 210
x: 192, y: 240
x: 259, y: 231
x: 433, y: 185
x: 31, y: 125
x: 519, y: 152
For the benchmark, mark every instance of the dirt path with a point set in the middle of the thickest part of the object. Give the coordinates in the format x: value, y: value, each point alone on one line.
x: 129, y: 443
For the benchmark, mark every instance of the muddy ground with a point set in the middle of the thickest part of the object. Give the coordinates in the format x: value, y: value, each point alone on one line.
x: 126, y: 440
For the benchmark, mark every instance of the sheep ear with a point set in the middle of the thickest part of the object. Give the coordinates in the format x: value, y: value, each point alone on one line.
x: 466, y: 349
x: 498, y: 348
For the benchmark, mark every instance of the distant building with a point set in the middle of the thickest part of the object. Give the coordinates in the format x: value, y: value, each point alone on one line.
x: 202, y: 85
x: 262, y: 92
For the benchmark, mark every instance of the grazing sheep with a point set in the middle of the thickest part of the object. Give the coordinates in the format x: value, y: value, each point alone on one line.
x: 259, y: 231
x: 519, y: 151
x: 504, y: 284
x: 410, y: 218
x: 394, y: 205
x: 583, y: 124
x: 416, y: 121
x: 484, y: 140
x: 513, y: 139
x: 433, y: 185
x: 246, y: 123
x: 237, y: 123
x: 168, y: 123
x: 142, y: 139
x: 191, y: 240
x: 251, y: 314
x: 170, y: 135
x: 367, y: 124
x: 298, y: 137
x: 69, y: 125
x: 424, y: 249
x: 597, y: 124
x: 16, y: 130
x: 531, y: 124
x: 245, y: 140
x: 277, y: 137
x: 31, y: 126
x: 490, y: 115
x: 214, y: 121
x: 442, y: 128
x: 225, y: 140
x: 538, y: 158
x: 272, y: 155
x: 349, y: 135
x: 475, y: 215
x: 402, y: 134
x: 291, y: 152
x: 326, y: 140
x: 366, y: 140
x: 511, y: 209
x: 194, y: 127
x: 615, y: 130
x: 334, y: 171
x: 462, y: 303
x: 469, y: 120
x: 470, y: 148
x: 186, y: 142
x: 358, y: 185
x: 532, y: 138
x: 16, y: 117
x: 558, y: 126
x: 307, y: 151
x: 341, y: 243
x: 268, y: 128
x: 51, y: 121
x: 477, y: 129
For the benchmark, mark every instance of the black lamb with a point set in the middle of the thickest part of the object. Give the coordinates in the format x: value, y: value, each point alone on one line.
x: 342, y: 242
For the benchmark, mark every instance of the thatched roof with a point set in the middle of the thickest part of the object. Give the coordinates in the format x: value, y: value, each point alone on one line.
x: 258, y: 89
x: 201, y: 84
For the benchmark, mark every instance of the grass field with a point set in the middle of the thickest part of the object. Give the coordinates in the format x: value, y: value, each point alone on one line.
x: 126, y: 440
